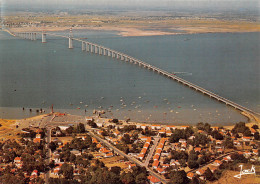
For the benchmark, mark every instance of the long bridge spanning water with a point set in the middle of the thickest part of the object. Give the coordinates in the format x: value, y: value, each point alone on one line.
x: 101, y: 50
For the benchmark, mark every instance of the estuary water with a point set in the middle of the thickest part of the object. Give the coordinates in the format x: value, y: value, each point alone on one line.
x: 36, y: 75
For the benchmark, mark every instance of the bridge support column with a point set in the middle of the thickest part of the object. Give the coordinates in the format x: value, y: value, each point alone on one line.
x: 108, y: 52
x: 34, y: 36
x: 100, y: 50
x: 91, y: 48
x: 70, y: 43
x: 83, y: 46
x: 96, y: 49
x: 87, y: 47
x: 122, y: 57
x: 105, y: 52
x: 117, y: 57
x: 44, y: 38
x: 31, y: 36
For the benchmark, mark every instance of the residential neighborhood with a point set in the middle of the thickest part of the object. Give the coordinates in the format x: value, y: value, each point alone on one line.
x: 126, y: 152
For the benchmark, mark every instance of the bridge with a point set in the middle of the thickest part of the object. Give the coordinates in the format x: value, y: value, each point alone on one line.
x: 101, y: 50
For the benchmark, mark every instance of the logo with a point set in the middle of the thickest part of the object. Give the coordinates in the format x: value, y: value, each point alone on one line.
x: 245, y: 171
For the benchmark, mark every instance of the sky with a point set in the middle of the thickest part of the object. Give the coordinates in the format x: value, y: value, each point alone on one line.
x: 140, y: 3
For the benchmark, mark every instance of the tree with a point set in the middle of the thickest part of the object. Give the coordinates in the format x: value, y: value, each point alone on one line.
x: 67, y: 171
x: 178, y: 177
x: 217, y: 135
x: 116, y: 170
x: 228, y: 143
x: 52, y: 146
x: 126, y: 139
x: 69, y: 130
x: 257, y: 136
x: 81, y: 128
x: 141, y: 178
x: 255, y: 127
x: 193, y: 164
x: 209, y: 175
x: 127, y: 178
x: 200, y: 139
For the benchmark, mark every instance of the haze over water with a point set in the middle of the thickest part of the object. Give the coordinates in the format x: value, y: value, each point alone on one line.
x: 36, y: 75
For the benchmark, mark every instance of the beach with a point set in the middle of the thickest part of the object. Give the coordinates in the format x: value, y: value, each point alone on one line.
x: 156, y: 28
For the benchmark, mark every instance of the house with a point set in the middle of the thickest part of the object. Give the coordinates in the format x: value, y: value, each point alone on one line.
x: 156, y: 157
x: 169, y: 127
x: 182, y: 140
x: 197, y: 149
x: 141, y: 156
x: 200, y: 172
x: 162, y: 131
x: 213, y: 169
x: 247, y: 154
x: 160, y: 170
x: 246, y: 139
x: 220, y: 150
x: 168, y: 133
x: 56, y: 170
x: 99, y: 124
x: 131, y: 165
x: 154, y: 180
x: 255, y: 151
x: 217, y: 163
x: 156, y: 127
x: 36, y: 140
x: 253, y: 131
x: 17, y: 160
x: 190, y: 175
x: 116, y: 133
x: 34, y: 173
x: 146, y: 145
x: 155, y: 164
x: 236, y: 143
x: 108, y: 155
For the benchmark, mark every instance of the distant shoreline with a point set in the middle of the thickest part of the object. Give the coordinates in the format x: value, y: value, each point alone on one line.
x: 132, y: 31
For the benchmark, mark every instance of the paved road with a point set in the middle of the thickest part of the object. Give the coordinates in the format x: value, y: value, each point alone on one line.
x: 50, y: 125
x: 48, y: 156
x: 218, y: 158
x: 128, y: 157
x: 150, y: 154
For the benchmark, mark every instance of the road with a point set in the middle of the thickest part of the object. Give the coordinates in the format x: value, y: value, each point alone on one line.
x: 218, y: 158
x: 45, y: 123
x: 128, y: 157
x: 150, y: 154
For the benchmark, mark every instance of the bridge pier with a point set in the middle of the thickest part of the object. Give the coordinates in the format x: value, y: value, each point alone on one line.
x: 105, y: 52
x: 83, y: 46
x: 70, y: 43
x: 87, y: 47
x: 91, y: 48
x: 109, y: 53
x: 44, y: 38
x: 96, y: 49
x: 100, y: 50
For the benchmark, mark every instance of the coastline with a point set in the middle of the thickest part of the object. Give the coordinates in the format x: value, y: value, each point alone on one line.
x: 252, y: 120
x: 134, y: 31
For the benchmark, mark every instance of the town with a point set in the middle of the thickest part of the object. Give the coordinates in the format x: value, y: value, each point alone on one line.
x: 64, y: 148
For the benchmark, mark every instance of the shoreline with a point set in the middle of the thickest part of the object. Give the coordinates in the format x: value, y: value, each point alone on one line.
x: 135, y: 31
x: 252, y: 120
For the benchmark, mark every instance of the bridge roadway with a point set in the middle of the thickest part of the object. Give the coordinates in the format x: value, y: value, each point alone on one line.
x: 99, y: 49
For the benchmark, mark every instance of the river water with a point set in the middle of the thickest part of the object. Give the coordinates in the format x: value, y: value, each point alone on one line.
x: 36, y: 75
